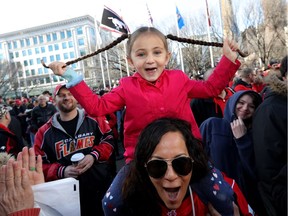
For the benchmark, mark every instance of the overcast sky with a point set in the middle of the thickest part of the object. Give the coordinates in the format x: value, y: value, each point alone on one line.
x: 20, y: 14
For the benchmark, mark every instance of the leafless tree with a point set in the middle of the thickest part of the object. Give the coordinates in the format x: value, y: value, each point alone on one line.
x: 9, y: 78
x: 264, y: 34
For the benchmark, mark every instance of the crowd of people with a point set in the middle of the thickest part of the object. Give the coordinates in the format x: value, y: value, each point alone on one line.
x: 191, y: 147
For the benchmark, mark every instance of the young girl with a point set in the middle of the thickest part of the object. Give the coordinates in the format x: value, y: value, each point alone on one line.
x: 153, y: 92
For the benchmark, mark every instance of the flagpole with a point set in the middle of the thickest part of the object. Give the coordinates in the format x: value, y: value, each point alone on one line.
x: 150, y: 24
x: 178, y: 34
x: 98, y: 38
x: 126, y: 61
x: 119, y: 56
x: 107, y: 66
x: 208, y: 30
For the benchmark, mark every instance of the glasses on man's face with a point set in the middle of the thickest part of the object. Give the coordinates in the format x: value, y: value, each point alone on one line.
x: 157, y: 168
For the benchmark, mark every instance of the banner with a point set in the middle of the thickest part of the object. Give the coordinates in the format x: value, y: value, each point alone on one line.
x: 111, y: 21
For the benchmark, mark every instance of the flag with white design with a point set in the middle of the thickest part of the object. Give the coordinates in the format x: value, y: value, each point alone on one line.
x: 111, y: 21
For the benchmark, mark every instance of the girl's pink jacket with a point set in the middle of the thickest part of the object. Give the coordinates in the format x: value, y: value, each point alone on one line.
x: 169, y: 97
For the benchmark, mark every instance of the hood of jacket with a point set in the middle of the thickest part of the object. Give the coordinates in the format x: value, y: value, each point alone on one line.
x: 229, y: 112
x: 276, y: 85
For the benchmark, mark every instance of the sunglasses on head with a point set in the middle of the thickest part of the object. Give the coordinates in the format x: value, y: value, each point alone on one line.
x: 157, y: 168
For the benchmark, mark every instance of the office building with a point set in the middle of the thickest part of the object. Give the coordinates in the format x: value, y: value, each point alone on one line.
x: 59, y: 41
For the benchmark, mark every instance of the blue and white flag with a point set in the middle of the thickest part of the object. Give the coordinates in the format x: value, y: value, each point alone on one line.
x: 180, y: 19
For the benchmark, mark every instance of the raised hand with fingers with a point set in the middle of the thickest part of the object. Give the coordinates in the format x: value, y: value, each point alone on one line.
x: 230, y: 48
x: 58, y: 68
x: 32, y: 164
x: 238, y: 128
x: 15, y: 188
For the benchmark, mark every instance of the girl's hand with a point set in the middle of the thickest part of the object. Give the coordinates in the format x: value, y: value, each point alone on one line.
x: 238, y: 128
x: 229, y: 49
x: 58, y: 68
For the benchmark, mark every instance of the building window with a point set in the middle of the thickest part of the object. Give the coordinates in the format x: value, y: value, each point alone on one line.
x: 15, y: 44
x: 29, y: 52
x: 24, y: 53
x: 20, y: 73
x: 31, y: 62
x: 40, y: 71
x: 55, y: 78
x: 72, y: 55
x: 52, y: 58
x: 37, y: 50
x: 44, y: 59
x: 46, y: 71
x: 70, y: 44
x: 82, y: 52
x: 9, y: 45
x: 17, y: 54
x: 41, y: 80
x: 48, y: 37
x: 64, y: 45
x: 42, y: 49
x: 25, y: 63
x: 69, y: 33
x: 47, y: 79
x: 79, y: 31
x: 65, y: 55
x: 54, y: 35
x: 27, y: 72
x: 81, y: 42
x: 50, y: 48
x: 33, y: 72
x: 58, y: 57
x: 11, y: 56
x: 41, y: 40
x: 35, y: 40
x: 62, y: 34
x: 27, y: 41
x: 38, y: 61
x: 22, y: 43
x: 56, y: 46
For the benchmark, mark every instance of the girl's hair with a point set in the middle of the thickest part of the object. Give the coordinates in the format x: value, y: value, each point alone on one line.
x: 135, y: 35
x: 139, y: 194
x: 140, y: 32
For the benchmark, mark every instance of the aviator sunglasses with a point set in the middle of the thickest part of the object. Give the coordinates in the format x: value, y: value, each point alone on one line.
x: 157, y: 168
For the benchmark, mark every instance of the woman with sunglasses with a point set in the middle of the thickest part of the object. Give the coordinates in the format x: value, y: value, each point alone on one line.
x: 167, y: 160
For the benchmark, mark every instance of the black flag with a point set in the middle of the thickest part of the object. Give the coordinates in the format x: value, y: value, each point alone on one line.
x: 111, y: 21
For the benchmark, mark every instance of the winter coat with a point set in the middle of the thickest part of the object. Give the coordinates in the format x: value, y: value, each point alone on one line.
x: 170, y: 96
x: 92, y: 136
x: 270, y: 146
x: 40, y: 115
